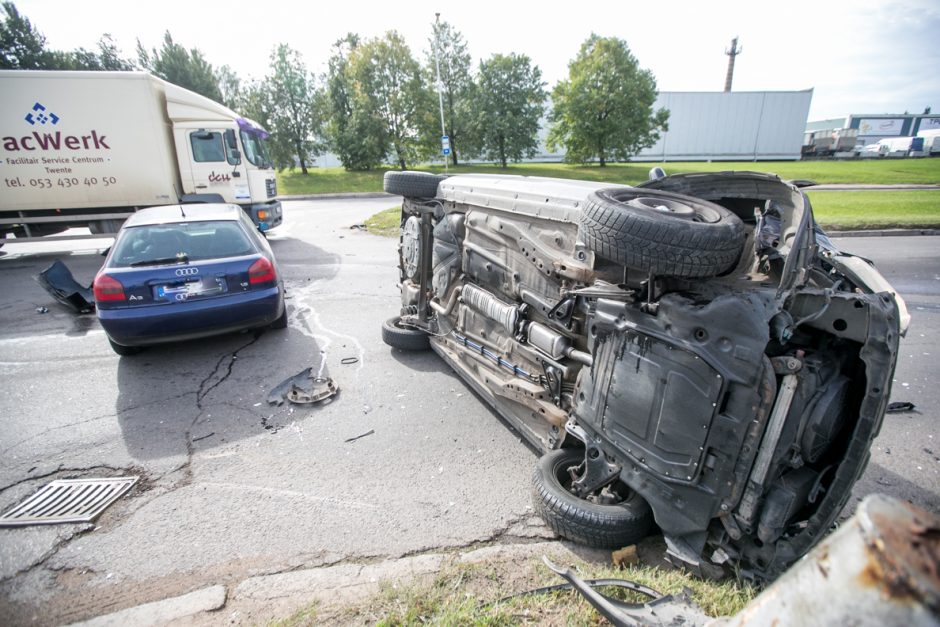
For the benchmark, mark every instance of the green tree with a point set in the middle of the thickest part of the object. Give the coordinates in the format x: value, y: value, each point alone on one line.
x: 108, y: 58
x: 230, y: 86
x: 22, y: 46
x: 355, y: 133
x: 456, y: 83
x: 296, y: 109
x: 604, y: 110
x: 509, y: 103
x: 186, y: 68
x: 387, y: 84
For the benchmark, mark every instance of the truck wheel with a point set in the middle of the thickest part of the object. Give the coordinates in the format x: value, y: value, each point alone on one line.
x: 600, y: 526
x: 412, y: 184
x: 405, y: 338
x: 661, y: 232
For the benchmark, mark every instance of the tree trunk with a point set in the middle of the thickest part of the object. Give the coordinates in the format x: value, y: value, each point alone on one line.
x: 502, y: 151
x: 401, y: 159
x: 453, y: 152
x: 300, y: 158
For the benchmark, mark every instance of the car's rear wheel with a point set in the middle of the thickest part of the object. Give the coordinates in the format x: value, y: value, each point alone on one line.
x: 661, y: 232
x: 412, y: 184
x: 623, y: 521
x: 406, y: 338
x: 281, y: 322
x: 124, y: 350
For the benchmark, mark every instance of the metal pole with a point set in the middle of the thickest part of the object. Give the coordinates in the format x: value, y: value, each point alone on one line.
x: 440, y: 86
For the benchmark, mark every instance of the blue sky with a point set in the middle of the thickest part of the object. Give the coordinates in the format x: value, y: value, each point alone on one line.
x: 859, y: 56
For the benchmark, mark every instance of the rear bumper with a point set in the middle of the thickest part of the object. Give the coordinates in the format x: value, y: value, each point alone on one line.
x: 266, y: 215
x: 174, y: 322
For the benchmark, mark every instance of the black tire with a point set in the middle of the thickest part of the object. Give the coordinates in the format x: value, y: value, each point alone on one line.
x: 412, y: 184
x: 281, y: 322
x: 584, y: 522
x: 662, y: 233
x: 124, y: 350
x: 405, y: 338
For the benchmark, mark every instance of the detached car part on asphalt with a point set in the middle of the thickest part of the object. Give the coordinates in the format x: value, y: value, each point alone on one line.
x: 182, y: 272
x: 692, y: 352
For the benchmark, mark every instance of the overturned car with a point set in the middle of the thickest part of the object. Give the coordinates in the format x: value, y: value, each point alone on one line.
x: 692, y: 352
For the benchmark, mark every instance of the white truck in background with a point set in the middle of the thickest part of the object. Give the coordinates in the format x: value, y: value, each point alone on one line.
x: 931, y: 141
x: 90, y: 148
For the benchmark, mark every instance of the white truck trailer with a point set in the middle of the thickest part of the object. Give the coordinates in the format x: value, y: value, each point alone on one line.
x: 90, y: 148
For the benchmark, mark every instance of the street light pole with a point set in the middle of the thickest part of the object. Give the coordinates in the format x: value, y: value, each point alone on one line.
x: 440, y: 86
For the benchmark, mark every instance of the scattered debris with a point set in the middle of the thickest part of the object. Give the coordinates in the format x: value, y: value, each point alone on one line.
x: 303, y: 388
x: 899, y: 407
x: 203, y: 437
x: 626, y: 556
x: 68, y: 501
x: 42, y: 310
x: 359, y: 437
x: 347, y: 361
x: 358, y: 227
x: 57, y: 279
x: 672, y: 609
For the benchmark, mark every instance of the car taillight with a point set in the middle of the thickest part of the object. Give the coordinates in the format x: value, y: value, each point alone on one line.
x: 107, y: 288
x: 261, y: 271
x: 262, y: 214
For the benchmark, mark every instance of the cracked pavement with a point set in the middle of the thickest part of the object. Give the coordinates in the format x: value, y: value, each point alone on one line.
x: 232, y: 487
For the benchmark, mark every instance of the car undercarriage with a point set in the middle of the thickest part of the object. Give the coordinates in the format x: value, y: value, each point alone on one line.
x: 691, y: 353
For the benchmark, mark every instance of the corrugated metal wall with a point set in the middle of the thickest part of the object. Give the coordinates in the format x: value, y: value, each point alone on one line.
x: 731, y: 126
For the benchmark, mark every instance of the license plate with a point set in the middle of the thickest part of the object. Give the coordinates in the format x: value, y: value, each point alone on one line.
x: 181, y: 292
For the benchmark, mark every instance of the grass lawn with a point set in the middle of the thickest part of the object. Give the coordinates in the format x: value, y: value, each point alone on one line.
x: 875, y: 171
x: 870, y: 210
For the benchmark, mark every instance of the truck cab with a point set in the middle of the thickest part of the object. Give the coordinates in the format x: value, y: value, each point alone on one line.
x: 222, y: 157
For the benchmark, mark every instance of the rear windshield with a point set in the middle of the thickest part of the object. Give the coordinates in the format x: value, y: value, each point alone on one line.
x: 192, y: 240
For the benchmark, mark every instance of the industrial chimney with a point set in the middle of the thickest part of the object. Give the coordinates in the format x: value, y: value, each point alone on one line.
x: 732, y: 53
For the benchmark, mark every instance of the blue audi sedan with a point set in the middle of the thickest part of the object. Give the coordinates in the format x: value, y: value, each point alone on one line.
x: 182, y: 272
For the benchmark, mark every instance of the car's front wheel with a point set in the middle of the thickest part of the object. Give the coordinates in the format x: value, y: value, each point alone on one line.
x: 614, y: 518
x: 406, y: 338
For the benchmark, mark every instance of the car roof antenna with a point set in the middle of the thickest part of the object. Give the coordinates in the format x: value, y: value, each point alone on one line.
x: 182, y: 212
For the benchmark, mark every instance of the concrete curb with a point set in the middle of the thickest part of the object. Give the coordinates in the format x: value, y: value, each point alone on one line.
x: 862, y: 187
x: 338, y: 196
x: 883, y: 233
x: 162, y: 612
x: 265, y: 598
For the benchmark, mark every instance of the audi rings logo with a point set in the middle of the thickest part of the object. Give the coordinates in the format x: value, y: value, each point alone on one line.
x: 182, y: 296
x: 187, y: 271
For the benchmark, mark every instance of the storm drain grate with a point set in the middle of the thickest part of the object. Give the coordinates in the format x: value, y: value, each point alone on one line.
x: 68, y: 501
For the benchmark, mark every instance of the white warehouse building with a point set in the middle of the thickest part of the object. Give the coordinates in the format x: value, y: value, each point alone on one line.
x: 725, y: 126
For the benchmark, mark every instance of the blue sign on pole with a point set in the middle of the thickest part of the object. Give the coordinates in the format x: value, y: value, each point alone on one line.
x: 445, y: 145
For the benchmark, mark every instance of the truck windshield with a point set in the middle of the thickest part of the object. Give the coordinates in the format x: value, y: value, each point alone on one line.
x: 256, y: 149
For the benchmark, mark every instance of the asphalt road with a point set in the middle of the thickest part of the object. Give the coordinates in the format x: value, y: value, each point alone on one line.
x: 232, y: 487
